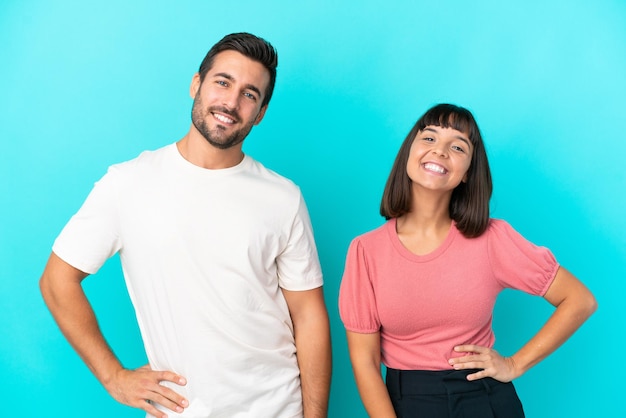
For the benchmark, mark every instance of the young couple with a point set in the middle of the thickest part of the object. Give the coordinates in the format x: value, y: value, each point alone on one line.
x: 220, y: 262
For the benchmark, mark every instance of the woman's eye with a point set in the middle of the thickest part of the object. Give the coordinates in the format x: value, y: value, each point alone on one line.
x: 427, y: 138
x: 457, y: 148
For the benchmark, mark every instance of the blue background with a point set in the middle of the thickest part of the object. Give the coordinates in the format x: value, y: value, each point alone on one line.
x: 87, y: 84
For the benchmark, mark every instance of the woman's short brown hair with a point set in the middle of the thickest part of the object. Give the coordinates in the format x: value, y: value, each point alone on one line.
x: 469, y: 205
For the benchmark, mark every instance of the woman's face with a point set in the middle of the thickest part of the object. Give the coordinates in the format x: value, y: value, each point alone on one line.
x: 439, y: 158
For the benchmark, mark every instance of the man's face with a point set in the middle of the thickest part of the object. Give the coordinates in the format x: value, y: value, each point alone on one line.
x: 227, y: 103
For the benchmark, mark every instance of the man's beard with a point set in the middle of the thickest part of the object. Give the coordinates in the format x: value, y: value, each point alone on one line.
x: 216, y: 137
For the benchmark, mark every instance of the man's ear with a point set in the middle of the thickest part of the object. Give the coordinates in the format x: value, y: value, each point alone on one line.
x: 195, y: 85
x: 259, y: 117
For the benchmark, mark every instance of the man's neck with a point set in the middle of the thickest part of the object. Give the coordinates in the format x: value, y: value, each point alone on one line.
x: 199, y: 152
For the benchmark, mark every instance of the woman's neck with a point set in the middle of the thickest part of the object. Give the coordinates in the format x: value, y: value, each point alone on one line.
x: 427, y: 225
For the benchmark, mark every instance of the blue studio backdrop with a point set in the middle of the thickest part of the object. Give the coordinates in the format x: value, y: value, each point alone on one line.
x: 84, y: 85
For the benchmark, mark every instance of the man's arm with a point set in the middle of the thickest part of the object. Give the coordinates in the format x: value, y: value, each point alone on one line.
x: 62, y: 291
x: 312, y: 335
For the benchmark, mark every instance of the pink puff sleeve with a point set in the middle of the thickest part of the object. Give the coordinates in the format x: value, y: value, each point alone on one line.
x: 357, y: 301
x: 517, y: 263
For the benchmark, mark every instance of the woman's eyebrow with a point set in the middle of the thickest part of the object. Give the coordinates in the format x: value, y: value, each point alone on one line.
x: 462, y: 138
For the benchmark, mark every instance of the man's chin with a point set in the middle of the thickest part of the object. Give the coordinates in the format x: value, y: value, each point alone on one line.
x: 223, y: 145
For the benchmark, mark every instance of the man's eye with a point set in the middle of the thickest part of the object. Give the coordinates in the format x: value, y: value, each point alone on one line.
x: 222, y: 83
x: 250, y: 96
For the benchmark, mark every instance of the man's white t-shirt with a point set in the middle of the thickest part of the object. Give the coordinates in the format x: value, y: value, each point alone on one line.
x: 204, y: 255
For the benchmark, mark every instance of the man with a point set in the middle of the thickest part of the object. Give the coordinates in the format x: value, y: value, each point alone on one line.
x: 219, y: 260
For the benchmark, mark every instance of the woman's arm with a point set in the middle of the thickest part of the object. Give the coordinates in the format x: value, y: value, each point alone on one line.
x: 365, y: 358
x: 574, y: 304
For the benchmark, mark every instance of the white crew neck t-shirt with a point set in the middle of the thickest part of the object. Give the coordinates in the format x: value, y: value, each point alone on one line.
x: 204, y: 255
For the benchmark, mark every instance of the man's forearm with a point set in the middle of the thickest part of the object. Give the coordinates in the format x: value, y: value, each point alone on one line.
x: 75, y: 317
x: 314, y: 358
x: 63, y: 293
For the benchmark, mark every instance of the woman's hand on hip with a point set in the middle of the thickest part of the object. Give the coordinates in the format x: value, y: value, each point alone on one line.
x: 491, y: 363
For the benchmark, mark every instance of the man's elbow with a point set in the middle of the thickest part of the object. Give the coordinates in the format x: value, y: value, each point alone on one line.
x: 47, y: 290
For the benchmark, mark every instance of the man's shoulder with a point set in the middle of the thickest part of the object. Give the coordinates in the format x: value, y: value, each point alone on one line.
x: 271, y: 178
x: 145, y: 160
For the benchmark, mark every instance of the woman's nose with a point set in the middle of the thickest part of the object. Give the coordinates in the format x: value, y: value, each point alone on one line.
x: 440, y: 151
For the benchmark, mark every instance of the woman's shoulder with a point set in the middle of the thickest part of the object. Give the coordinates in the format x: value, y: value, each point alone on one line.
x: 375, y: 235
x: 498, y: 223
x: 500, y: 230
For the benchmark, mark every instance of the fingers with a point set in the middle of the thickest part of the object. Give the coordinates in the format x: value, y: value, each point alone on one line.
x: 475, y: 357
x: 471, y: 348
x: 170, y: 377
x: 478, y: 375
x: 168, y: 398
x: 489, y: 362
x: 142, y: 389
x: 468, y: 362
x: 151, y: 409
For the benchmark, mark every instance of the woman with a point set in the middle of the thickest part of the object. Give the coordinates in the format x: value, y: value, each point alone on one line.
x: 418, y: 292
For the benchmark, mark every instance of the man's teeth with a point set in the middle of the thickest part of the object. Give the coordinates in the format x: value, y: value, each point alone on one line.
x: 434, y: 167
x: 223, y: 118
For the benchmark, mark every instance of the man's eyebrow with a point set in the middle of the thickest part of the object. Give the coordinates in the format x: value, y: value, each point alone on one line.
x: 231, y: 78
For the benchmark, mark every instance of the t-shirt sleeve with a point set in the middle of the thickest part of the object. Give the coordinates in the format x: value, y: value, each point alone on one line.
x: 517, y: 263
x: 92, y: 235
x: 298, y: 264
x: 357, y: 302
